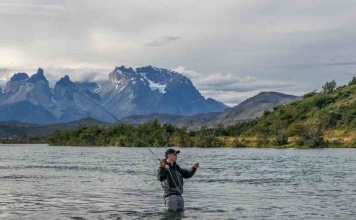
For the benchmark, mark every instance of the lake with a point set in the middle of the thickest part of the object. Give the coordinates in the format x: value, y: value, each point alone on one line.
x: 43, y: 182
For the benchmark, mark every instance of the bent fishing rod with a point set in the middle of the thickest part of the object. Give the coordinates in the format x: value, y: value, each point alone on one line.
x: 95, y: 103
x: 146, y: 145
x: 102, y: 108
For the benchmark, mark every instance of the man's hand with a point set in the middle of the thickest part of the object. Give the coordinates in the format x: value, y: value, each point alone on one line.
x: 161, y: 164
x: 196, y: 165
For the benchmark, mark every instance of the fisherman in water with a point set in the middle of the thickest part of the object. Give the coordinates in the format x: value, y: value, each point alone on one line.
x: 171, y: 177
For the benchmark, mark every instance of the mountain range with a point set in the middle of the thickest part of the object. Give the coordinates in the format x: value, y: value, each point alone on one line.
x: 245, y: 111
x: 128, y: 91
x: 132, y: 96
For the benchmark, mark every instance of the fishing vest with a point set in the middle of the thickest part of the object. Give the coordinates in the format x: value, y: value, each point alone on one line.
x: 173, y: 185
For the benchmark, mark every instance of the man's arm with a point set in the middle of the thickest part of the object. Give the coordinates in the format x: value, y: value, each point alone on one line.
x: 161, y: 172
x: 186, y: 173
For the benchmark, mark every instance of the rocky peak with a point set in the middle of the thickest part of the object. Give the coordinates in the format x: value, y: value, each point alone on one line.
x: 164, y: 80
x: 159, y: 75
x: 62, y: 88
x: 66, y: 82
x: 119, y: 73
x: 39, y: 76
x: 19, y: 77
x: 123, y: 70
x: 15, y: 82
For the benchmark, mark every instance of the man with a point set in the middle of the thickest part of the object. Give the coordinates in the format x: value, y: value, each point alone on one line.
x: 171, y: 177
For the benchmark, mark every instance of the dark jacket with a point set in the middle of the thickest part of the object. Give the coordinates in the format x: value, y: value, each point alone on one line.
x: 165, y: 176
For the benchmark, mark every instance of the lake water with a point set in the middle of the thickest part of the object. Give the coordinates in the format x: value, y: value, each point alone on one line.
x: 42, y: 182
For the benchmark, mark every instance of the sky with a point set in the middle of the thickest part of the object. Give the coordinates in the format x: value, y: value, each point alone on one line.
x: 230, y: 49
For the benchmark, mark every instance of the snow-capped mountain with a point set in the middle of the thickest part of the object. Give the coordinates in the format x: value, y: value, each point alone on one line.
x: 128, y: 91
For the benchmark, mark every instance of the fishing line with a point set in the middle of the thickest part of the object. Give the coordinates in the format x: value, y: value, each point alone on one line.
x: 88, y: 98
x: 106, y: 57
x: 167, y: 168
x: 104, y: 109
x: 97, y: 104
x: 173, y: 180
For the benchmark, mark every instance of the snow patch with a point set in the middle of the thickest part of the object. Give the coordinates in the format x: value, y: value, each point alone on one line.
x: 157, y: 69
x: 97, y: 90
x: 155, y: 86
x: 122, y: 88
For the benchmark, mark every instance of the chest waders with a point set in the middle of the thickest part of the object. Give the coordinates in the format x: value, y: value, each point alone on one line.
x: 173, y: 202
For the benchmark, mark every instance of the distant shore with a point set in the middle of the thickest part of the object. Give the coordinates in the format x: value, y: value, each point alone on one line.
x: 339, y: 139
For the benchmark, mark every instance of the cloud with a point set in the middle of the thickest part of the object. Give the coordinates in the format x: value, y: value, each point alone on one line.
x: 282, y: 44
x: 244, y: 50
x: 164, y: 40
x: 76, y: 74
x: 33, y: 10
x: 228, y: 98
x: 234, y: 88
x: 4, y: 76
x: 33, y: 6
x: 188, y: 73
x: 54, y: 73
x: 317, y: 65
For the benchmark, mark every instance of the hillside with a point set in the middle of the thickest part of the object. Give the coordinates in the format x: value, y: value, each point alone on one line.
x: 247, y: 110
x: 312, y: 120
x: 253, y: 107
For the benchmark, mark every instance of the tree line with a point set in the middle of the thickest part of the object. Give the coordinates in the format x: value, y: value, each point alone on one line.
x: 300, y: 123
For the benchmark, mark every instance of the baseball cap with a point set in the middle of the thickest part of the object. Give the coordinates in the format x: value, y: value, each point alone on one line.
x: 171, y: 151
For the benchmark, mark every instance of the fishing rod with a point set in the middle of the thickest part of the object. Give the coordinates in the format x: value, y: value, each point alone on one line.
x: 101, y: 107
x: 105, y: 110
x: 97, y: 104
x: 146, y: 145
x: 91, y: 100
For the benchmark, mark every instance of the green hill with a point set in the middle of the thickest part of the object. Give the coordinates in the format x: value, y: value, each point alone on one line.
x: 328, y: 117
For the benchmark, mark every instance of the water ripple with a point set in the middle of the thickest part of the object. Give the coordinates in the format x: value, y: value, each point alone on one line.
x: 39, y: 182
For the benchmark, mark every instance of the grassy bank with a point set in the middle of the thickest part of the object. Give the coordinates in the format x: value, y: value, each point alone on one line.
x: 340, y: 139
